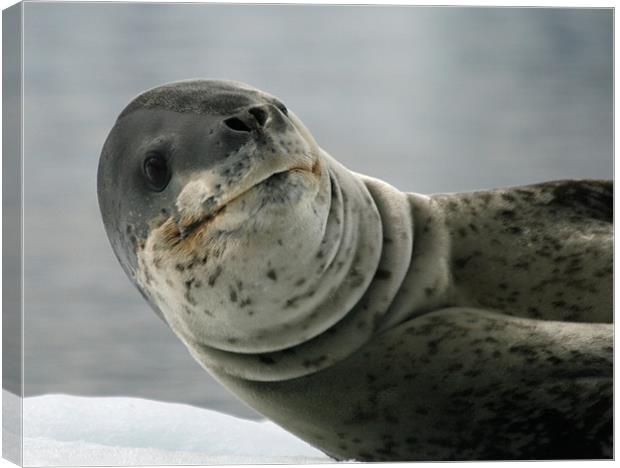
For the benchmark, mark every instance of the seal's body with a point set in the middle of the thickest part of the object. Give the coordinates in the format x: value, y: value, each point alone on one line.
x: 375, y: 324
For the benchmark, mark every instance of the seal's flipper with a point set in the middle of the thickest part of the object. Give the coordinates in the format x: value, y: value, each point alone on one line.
x: 456, y: 384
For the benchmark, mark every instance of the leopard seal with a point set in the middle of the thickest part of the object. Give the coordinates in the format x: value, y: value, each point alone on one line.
x: 374, y: 324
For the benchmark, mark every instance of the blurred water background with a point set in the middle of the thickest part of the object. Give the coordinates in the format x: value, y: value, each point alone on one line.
x: 428, y: 99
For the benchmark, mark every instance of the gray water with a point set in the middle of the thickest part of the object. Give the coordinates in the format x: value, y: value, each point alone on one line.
x: 428, y: 99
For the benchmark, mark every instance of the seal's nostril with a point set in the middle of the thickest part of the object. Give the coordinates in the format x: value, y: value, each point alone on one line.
x: 259, y: 114
x: 282, y: 108
x: 237, y: 124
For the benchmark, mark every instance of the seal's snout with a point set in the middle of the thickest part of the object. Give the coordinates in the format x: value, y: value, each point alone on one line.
x: 255, y: 118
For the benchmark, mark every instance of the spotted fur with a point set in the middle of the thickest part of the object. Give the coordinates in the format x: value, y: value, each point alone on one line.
x: 475, y: 360
x: 456, y: 384
x: 374, y: 324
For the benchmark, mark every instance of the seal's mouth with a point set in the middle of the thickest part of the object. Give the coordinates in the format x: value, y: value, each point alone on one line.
x: 213, y: 207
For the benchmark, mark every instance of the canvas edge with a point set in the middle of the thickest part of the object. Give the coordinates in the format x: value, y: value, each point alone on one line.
x: 12, y: 222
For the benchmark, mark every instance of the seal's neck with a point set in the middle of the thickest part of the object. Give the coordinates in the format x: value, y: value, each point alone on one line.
x: 428, y: 284
x: 364, y: 256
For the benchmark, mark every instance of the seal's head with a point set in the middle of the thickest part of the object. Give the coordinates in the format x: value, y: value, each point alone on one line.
x: 198, y: 181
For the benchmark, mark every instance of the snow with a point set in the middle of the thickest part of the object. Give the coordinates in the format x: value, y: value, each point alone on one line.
x: 70, y: 430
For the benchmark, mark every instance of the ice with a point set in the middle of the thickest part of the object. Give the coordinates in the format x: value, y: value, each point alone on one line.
x: 71, y: 430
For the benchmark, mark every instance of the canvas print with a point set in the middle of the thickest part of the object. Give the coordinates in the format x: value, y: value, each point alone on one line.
x: 303, y: 233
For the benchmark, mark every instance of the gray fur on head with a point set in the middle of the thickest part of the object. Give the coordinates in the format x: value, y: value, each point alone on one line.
x: 193, y: 96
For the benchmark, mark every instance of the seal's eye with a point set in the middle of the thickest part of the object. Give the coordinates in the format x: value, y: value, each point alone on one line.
x: 156, y: 171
